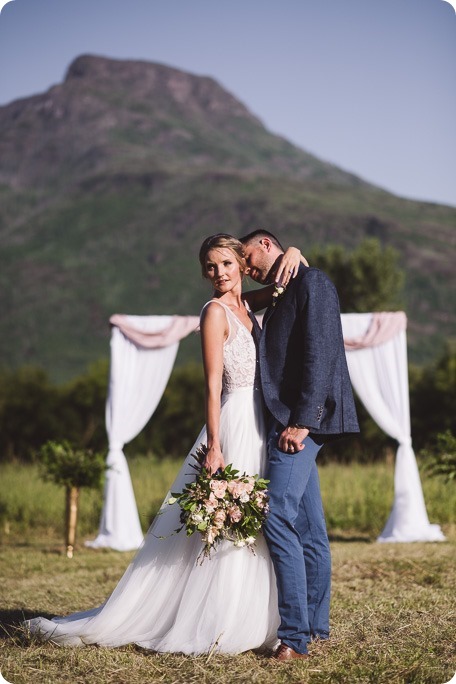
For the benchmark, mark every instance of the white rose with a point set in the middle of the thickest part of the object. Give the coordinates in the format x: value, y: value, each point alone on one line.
x: 239, y: 543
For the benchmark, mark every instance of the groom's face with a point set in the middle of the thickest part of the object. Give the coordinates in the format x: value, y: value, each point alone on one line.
x: 259, y: 261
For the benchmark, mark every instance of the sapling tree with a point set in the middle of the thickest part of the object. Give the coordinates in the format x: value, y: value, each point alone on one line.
x: 74, y: 468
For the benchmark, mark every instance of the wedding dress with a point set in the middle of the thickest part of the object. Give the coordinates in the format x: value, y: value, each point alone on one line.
x: 168, y: 602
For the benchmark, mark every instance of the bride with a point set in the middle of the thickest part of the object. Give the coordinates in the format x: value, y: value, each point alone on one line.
x: 166, y: 601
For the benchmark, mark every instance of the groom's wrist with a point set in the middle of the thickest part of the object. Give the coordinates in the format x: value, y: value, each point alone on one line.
x: 299, y: 426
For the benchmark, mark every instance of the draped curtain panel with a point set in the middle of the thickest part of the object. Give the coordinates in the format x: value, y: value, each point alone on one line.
x: 143, y: 350
x: 378, y: 371
x: 138, y: 378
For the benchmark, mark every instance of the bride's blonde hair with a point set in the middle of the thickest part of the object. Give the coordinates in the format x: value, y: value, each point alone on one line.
x: 222, y: 241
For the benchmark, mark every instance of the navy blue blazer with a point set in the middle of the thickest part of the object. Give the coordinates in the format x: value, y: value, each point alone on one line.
x: 303, y: 369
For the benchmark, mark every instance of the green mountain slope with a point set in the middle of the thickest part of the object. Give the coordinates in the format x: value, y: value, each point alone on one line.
x: 110, y: 181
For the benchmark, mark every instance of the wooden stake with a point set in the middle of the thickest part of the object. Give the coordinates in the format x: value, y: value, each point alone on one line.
x: 72, y: 500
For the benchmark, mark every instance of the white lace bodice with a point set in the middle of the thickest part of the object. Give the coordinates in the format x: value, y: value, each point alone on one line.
x: 240, y: 366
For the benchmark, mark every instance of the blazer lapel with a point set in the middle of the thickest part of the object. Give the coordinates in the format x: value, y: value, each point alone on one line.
x: 256, y: 332
x: 269, y: 311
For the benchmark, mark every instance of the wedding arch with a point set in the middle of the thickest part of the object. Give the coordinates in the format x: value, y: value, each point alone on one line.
x: 143, y: 351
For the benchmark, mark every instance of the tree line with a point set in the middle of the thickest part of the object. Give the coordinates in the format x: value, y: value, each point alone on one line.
x: 33, y: 410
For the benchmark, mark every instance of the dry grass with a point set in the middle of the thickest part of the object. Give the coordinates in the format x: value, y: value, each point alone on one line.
x: 393, y: 621
x: 393, y: 607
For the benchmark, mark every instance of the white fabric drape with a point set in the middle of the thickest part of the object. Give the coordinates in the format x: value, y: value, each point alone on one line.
x: 137, y: 381
x: 380, y: 378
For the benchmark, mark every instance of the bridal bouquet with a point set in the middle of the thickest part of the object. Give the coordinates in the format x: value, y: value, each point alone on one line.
x: 224, y: 505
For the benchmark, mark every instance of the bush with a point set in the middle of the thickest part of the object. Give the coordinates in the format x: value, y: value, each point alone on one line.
x: 83, y: 407
x: 64, y: 464
x: 73, y: 468
x: 367, y: 279
x: 29, y: 412
x: 433, y: 398
x: 440, y: 459
x: 33, y: 411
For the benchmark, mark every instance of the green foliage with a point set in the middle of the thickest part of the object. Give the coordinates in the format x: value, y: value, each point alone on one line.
x: 83, y: 407
x: 367, y: 279
x: 33, y: 410
x: 441, y: 458
x: 433, y: 398
x: 66, y: 465
x: 29, y: 407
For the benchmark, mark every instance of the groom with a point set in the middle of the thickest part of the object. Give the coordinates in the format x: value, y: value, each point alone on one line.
x: 307, y: 391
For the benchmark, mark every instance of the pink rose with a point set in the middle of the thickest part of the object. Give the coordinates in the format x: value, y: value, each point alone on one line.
x: 219, y: 488
x: 236, y: 488
x: 219, y: 518
x: 260, y: 498
x: 235, y: 513
x: 232, y: 487
x: 210, y: 504
x: 249, y: 484
x: 241, y: 488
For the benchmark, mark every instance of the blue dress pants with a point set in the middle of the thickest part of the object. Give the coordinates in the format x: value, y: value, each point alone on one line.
x: 295, y: 531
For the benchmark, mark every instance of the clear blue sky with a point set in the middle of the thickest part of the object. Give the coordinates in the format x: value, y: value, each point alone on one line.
x: 369, y: 85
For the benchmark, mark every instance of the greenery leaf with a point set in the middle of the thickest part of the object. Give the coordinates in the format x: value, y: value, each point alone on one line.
x: 64, y: 464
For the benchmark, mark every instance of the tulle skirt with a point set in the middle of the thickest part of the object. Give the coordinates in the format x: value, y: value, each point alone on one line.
x: 167, y: 601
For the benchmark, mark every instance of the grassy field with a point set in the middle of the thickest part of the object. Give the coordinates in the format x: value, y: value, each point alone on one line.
x: 393, y: 605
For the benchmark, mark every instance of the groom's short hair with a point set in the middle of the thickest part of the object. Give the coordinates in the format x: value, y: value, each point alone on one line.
x: 257, y: 235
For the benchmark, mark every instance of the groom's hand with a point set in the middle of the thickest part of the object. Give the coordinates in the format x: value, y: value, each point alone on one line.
x: 290, y: 440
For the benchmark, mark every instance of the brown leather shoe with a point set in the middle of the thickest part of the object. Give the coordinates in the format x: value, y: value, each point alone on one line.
x: 285, y: 653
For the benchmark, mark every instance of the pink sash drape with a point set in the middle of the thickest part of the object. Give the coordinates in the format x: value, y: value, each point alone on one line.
x: 180, y: 327
x: 383, y: 327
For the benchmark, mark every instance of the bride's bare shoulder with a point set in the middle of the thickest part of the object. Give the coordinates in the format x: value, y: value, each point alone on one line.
x: 213, y: 314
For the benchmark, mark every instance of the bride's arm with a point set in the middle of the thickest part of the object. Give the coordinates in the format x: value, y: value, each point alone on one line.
x: 287, y: 269
x: 214, y: 330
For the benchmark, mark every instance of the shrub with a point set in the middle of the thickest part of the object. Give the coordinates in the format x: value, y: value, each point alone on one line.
x: 73, y: 468
x: 66, y: 465
x: 440, y: 459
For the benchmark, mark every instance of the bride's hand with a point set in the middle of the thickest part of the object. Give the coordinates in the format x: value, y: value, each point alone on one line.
x: 288, y: 267
x: 214, y: 460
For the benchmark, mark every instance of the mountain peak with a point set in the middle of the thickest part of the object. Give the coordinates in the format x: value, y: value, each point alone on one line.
x: 152, y: 80
x: 110, y: 114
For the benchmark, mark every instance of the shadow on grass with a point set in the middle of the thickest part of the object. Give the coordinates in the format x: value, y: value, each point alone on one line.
x: 365, y: 539
x: 11, y: 621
